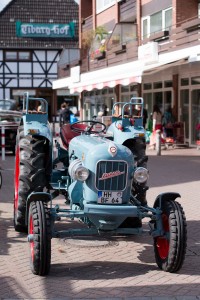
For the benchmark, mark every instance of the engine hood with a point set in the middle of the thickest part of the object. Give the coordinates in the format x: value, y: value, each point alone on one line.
x: 129, y: 132
x: 87, y: 148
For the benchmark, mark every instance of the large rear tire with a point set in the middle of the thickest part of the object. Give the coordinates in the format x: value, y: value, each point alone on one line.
x: 30, y: 162
x: 1, y: 180
x: 138, y: 148
x: 170, y: 249
x: 39, y: 231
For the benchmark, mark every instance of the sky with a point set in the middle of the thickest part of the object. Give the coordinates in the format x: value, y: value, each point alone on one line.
x: 3, y: 3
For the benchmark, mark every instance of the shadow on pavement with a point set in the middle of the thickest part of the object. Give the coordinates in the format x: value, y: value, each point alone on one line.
x: 170, y: 170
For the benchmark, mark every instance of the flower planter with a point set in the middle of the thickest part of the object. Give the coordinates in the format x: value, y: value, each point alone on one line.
x: 100, y: 55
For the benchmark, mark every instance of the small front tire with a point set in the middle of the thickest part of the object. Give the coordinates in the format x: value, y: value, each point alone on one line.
x: 170, y: 249
x: 39, y: 235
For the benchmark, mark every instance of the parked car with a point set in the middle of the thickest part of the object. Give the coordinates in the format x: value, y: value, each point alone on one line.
x: 9, y: 120
x: 8, y: 104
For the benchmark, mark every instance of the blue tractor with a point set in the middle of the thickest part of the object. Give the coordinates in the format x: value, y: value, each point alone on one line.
x: 101, y: 180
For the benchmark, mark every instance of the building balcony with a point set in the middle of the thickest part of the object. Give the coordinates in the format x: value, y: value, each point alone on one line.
x: 122, y: 46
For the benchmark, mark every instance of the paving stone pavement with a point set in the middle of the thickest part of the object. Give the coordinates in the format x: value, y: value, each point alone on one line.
x: 107, y: 268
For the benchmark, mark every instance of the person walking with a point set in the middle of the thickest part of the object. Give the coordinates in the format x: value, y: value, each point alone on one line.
x: 157, y: 124
x: 168, y: 121
x: 157, y: 118
x: 65, y: 113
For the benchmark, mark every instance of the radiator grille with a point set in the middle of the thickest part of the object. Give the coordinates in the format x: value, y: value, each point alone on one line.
x: 111, y: 175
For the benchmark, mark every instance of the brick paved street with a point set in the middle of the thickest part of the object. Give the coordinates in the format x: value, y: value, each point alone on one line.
x: 107, y: 268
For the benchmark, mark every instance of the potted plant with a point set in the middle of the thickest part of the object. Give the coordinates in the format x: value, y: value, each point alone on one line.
x: 98, y: 44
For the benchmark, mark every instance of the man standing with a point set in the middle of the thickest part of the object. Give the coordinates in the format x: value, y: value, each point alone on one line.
x: 65, y: 113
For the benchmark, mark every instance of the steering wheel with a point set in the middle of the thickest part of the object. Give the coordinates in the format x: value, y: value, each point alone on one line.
x: 89, y: 128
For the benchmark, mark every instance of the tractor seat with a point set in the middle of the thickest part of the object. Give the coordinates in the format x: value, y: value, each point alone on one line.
x: 67, y: 134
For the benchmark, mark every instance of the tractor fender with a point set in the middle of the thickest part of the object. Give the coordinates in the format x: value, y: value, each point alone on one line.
x: 37, y: 125
x: 129, y: 132
x: 165, y: 197
x: 36, y: 196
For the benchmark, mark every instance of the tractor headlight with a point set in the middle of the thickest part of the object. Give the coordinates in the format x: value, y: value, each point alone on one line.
x: 141, y: 175
x: 77, y: 171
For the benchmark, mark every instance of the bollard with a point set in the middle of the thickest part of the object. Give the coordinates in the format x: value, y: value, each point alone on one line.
x: 158, y: 142
x: 3, y: 142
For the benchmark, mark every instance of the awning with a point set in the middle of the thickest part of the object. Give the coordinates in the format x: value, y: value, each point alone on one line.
x: 123, y: 74
x: 171, y: 59
x: 101, y: 85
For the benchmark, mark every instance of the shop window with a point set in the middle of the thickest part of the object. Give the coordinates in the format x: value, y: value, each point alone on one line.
x: 110, y: 91
x: 147, y: 86
x: 184, y: 109
x: 195, y: 80
x: 97, y: 92
x: 125, y: 89
x: 168, y: 83
x: 157, y: 85
x: 158, y: 99
x: 125, y: 98
x: 184, y: 81
x: 104, y: 91
x: 134, y: 88
x: 148, y: 104
x: 195, y: 115
x: 167, y: 100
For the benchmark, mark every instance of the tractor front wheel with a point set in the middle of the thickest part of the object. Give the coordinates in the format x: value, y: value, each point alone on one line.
x: 170, y: 249
x: 39, y: 237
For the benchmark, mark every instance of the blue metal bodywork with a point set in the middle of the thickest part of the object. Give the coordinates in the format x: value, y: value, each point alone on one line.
x: 127, y: 126
x: 111, y: 169
x: 36, y: 123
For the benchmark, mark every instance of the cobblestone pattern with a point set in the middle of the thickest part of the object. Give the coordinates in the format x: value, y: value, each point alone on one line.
x: 113, y: 269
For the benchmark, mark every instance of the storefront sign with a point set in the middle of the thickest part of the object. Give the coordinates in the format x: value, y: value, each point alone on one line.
x: 75, y: 74
x: 148, y: 53
x: 45, y: 30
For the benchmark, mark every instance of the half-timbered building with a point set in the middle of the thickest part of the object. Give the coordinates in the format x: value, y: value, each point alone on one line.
x: 32, y: 36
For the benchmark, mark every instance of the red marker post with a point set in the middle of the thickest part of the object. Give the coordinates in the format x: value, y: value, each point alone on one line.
x: 3, y: 142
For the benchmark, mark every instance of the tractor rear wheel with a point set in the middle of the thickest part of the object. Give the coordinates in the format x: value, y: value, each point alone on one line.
x: 170, y: 249
x: 30, y: 162
x: 0, y: 180
x: 138, y: 148
x: 39, y: 236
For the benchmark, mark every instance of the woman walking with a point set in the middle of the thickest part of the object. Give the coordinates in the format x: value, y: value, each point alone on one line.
x: 157, y: 125
x: 157, y: 118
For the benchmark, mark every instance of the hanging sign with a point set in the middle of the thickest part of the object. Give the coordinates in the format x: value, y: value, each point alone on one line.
x: 45, y: 30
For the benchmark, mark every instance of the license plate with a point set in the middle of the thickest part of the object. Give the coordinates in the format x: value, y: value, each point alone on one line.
x: 109, y: 197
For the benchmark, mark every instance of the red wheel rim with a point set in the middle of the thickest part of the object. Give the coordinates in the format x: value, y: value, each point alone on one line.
x: 17, y: 162
x: 31, y: 232
x: 162, y: 243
